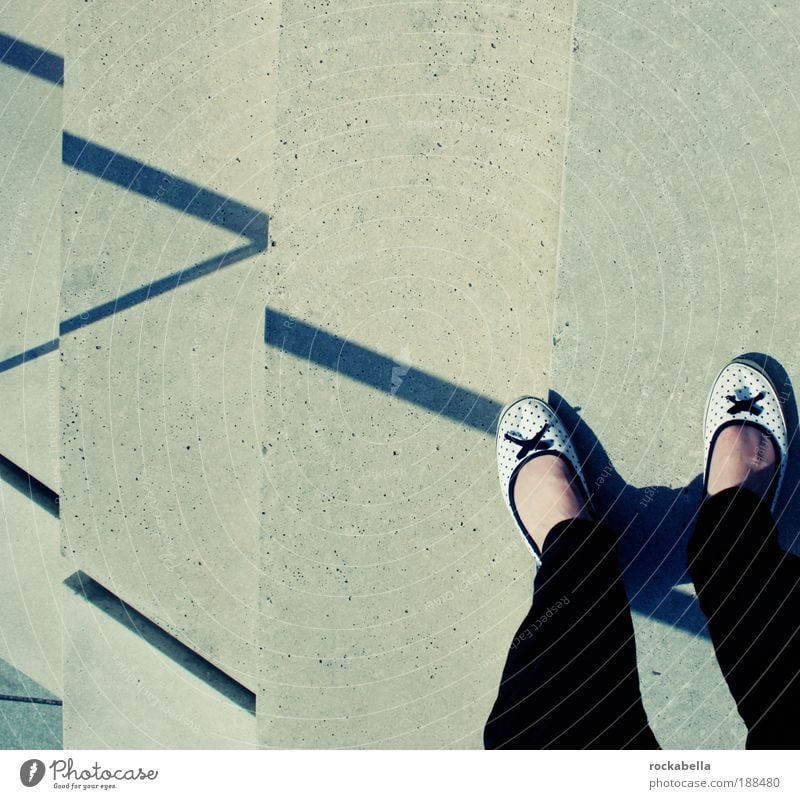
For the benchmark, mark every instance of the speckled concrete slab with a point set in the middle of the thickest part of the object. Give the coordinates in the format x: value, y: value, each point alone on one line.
x: 418, y: 166
x: 127, y: 684
x: 679, y: 251
x: 167, y: 140
x: 31, y: 568
x: 29, y: 424
x: 30, y: 207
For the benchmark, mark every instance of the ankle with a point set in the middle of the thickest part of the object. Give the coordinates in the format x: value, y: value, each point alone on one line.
x: 547, y: 493
x: 744, y: 456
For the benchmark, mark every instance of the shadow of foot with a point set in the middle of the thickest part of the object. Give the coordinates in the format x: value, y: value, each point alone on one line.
x: 654, y: 523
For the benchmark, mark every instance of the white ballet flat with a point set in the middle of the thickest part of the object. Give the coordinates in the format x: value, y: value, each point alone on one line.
x: 743, y: 392
x: 528, y: 428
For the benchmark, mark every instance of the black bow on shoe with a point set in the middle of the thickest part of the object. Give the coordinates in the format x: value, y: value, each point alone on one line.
x: 745, y: 405
x: 531, y: 444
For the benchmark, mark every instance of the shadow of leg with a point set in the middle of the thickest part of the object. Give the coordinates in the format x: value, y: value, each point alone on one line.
x: 654, y: 524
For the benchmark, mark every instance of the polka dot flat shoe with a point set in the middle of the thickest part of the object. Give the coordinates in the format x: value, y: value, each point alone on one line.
x: 743, y: 392
x: 528, y: 428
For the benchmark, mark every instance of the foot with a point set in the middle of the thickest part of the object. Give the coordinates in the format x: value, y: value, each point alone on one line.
x: 743, y: 456
x: 547, y: 492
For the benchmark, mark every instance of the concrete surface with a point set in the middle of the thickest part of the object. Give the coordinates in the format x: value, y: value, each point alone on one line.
x: 30, y: 715
x: 417, y: 183
x: 30, y: 170
x: 410, y: 160
x: 28, y: 725
x: 29, y: 434
x: 18, y: 685
x: 162, y: 319
x: 128, y: 684
x: 678, y: 252
x: 31, y: 567
x: 31, y: 571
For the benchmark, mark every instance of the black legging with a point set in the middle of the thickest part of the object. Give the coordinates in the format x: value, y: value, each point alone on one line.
x: 570, y: 680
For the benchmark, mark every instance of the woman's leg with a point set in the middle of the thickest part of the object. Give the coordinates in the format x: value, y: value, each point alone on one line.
x: 748, y: 587
x: 750, y: 591
x: 570, y: 680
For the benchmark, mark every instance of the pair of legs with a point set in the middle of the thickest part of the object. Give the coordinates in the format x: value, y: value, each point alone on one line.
x: 570, y: 680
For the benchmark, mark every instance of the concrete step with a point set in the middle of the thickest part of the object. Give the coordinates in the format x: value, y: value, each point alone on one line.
x: 30, y: 165
x: 417, y: 173
x: 127, y: 683
x: 167, y: 146
x: 678, y: 252
x: 31, y: 571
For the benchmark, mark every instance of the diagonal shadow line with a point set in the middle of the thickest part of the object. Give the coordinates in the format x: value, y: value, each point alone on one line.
x: 31, y: 59
x: 29, y: 355
x: 161, y: 286
x: 186, y: 197
x: 27, y: 484
x: 294, y: 337
x: 132, y: 298
x: 126, y: 615
x: 17, y: 686
x: 373, y: 369
x: 33, y: 700
x: 48, y: 66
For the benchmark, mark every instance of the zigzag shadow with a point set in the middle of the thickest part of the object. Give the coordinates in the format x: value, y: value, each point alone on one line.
x: 166, y: 189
